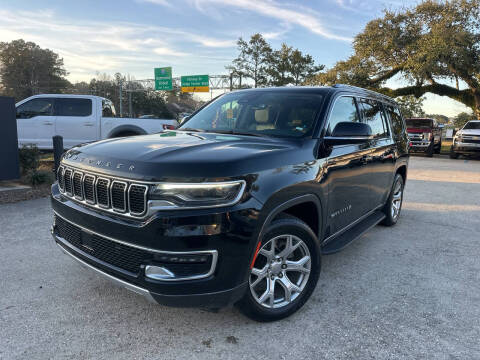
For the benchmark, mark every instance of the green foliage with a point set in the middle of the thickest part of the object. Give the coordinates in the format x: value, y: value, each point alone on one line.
x: 253, y: 58
x: 426, y: 45
x: 145, y: 103
x: 285, y: 66
x: 461, y: 119
x: 410, y: 106
x: 441, y: 119
x: 39, y: 177
x: 29, y: 157
x: 26, y: 70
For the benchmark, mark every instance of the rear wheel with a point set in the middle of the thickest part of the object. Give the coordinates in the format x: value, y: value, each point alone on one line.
x: 284, y: 273
x: 394, y: 203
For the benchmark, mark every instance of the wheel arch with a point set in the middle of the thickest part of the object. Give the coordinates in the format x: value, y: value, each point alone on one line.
x: 126, y: 128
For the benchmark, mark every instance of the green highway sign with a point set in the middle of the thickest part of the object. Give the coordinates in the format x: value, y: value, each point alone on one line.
x: 163, y: 78
x: 195, y: 83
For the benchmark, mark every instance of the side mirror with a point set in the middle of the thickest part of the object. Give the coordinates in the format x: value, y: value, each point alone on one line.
x: 349, y: 133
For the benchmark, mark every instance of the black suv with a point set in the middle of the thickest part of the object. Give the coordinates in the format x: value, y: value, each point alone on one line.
x: 240, y: 202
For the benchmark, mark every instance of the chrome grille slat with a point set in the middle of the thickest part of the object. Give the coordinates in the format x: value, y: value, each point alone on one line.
x: 103, y: 192
x: 77, y: 185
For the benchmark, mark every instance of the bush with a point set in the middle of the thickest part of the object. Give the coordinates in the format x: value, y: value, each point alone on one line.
x: 40, y: 177
x: 29, y: 156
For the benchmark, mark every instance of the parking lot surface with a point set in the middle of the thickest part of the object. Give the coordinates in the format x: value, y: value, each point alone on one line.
x: 411, y: 291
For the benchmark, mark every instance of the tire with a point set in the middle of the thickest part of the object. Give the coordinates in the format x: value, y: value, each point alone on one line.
x: 439, y: 148
x: 257, y: 303
x: 429, y: 151
x: 453, y: 154
x: 392, y: 212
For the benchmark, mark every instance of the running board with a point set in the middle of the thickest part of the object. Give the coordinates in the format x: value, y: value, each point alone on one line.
x: 353, y: 233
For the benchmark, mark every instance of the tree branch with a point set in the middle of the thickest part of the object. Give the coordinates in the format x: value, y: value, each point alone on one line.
x: 464, y: 96
x: 387, y: 75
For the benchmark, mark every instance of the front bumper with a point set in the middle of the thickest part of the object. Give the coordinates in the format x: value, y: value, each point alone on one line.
x: 419, y: 146
x: 230, y: 234
x: 464, y: 147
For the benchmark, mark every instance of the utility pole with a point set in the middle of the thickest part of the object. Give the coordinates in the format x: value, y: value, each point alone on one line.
x: 121, y: 99
x: 130, y: 112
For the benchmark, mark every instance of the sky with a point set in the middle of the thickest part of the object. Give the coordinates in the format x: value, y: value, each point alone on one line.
x: 193, y: 36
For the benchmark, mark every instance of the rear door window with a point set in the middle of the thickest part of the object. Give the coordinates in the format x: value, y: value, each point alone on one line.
x: 73, y: 107
x: 372, y: 114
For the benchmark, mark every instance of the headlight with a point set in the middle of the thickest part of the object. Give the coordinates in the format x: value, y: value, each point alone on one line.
x: 195, y: 195
x: 427, y: 135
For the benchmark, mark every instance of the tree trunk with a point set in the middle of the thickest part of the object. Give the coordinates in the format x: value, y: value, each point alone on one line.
x: 476, y: 110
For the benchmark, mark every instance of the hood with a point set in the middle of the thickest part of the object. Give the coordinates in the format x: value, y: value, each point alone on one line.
x: 179, y: 155
x: 475, y: 132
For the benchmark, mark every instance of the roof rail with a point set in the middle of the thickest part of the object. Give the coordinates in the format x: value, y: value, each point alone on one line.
x: 359, y: 88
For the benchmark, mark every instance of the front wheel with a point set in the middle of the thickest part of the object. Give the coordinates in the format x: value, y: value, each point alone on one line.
x: 430, y: 149
x: 394, y: 203
x: 438, y: 149
x: 453, y: 154
x: 285, y: 271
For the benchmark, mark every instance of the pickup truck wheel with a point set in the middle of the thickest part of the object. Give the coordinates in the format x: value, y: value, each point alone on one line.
x: 438, y: 149
x: 453, y: 154
x: 284, y: 272
x: 125, y: 134
x: 430, y: 149
x: 394, y: 203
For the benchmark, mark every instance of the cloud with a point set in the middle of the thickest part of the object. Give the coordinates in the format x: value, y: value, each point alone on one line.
x: 91, y: 46
x: 306, y: 18
x: 169, y: 52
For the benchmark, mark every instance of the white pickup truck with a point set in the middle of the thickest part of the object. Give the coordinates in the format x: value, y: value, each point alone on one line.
x: 79, y: 119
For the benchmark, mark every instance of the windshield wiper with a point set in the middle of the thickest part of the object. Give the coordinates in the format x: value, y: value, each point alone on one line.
x: 191, y: 129
x: 233, y: 132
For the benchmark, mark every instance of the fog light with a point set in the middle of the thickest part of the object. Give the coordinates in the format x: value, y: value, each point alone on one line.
x: 181, y: 266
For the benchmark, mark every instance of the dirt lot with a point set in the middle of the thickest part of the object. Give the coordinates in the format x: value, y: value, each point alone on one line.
x: 412, y: 291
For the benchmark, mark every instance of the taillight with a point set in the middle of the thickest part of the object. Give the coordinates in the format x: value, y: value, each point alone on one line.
x: 168, y: 127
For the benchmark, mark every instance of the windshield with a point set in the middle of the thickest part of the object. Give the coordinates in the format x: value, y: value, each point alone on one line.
x: 472, y: 125
x: 419, y: 122
x: 283, y: 114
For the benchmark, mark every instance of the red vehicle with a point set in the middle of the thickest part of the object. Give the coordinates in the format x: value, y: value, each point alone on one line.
x: 425, y: 135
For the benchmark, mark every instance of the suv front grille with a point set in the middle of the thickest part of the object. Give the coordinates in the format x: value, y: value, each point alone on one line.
x: 105, y: 193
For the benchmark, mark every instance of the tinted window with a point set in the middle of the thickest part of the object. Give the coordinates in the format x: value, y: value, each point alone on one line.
x: 35, y: 107
x: 419, y: 123
x: 472, y: 125
x: 73, y: 107
x: 373, y: 115
x: 343, y: 110
x: 283, y: 114
x: 396, y: 119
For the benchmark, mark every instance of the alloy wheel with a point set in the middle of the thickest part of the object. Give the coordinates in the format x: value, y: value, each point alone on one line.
x: 280, y: 272
x: 397, y: 200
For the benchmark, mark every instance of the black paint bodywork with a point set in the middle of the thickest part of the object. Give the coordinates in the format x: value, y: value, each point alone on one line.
x: 335, y: 185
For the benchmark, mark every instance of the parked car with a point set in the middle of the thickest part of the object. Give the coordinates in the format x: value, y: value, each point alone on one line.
x: 239, y: 204
x: 466, y: 140
x: 425, y: 135
x: 79, y: 119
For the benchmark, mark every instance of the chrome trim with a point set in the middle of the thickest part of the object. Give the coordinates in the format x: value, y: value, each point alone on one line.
x: 60, y: 168
x: 156, y: 205
x: 71, y: 181
x: 136, y: 289
x: 97, y: 173
x: 94, y: 189
x: 102, y: 206
x: 341, y: 231
x: 81, y: 185
x: 144, y: 200
x: 214, y: 253
x: 120, y: 210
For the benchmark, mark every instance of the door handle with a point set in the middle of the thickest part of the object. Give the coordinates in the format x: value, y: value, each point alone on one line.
x: 88, y: 124
x: 47, y: 123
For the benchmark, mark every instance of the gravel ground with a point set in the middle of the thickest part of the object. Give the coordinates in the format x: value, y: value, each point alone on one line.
x: 411, y: 291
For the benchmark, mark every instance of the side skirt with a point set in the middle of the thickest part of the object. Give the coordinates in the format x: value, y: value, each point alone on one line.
x: 345, y: 238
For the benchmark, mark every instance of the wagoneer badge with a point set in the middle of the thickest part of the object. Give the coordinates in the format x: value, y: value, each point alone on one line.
x: 99, y: 163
